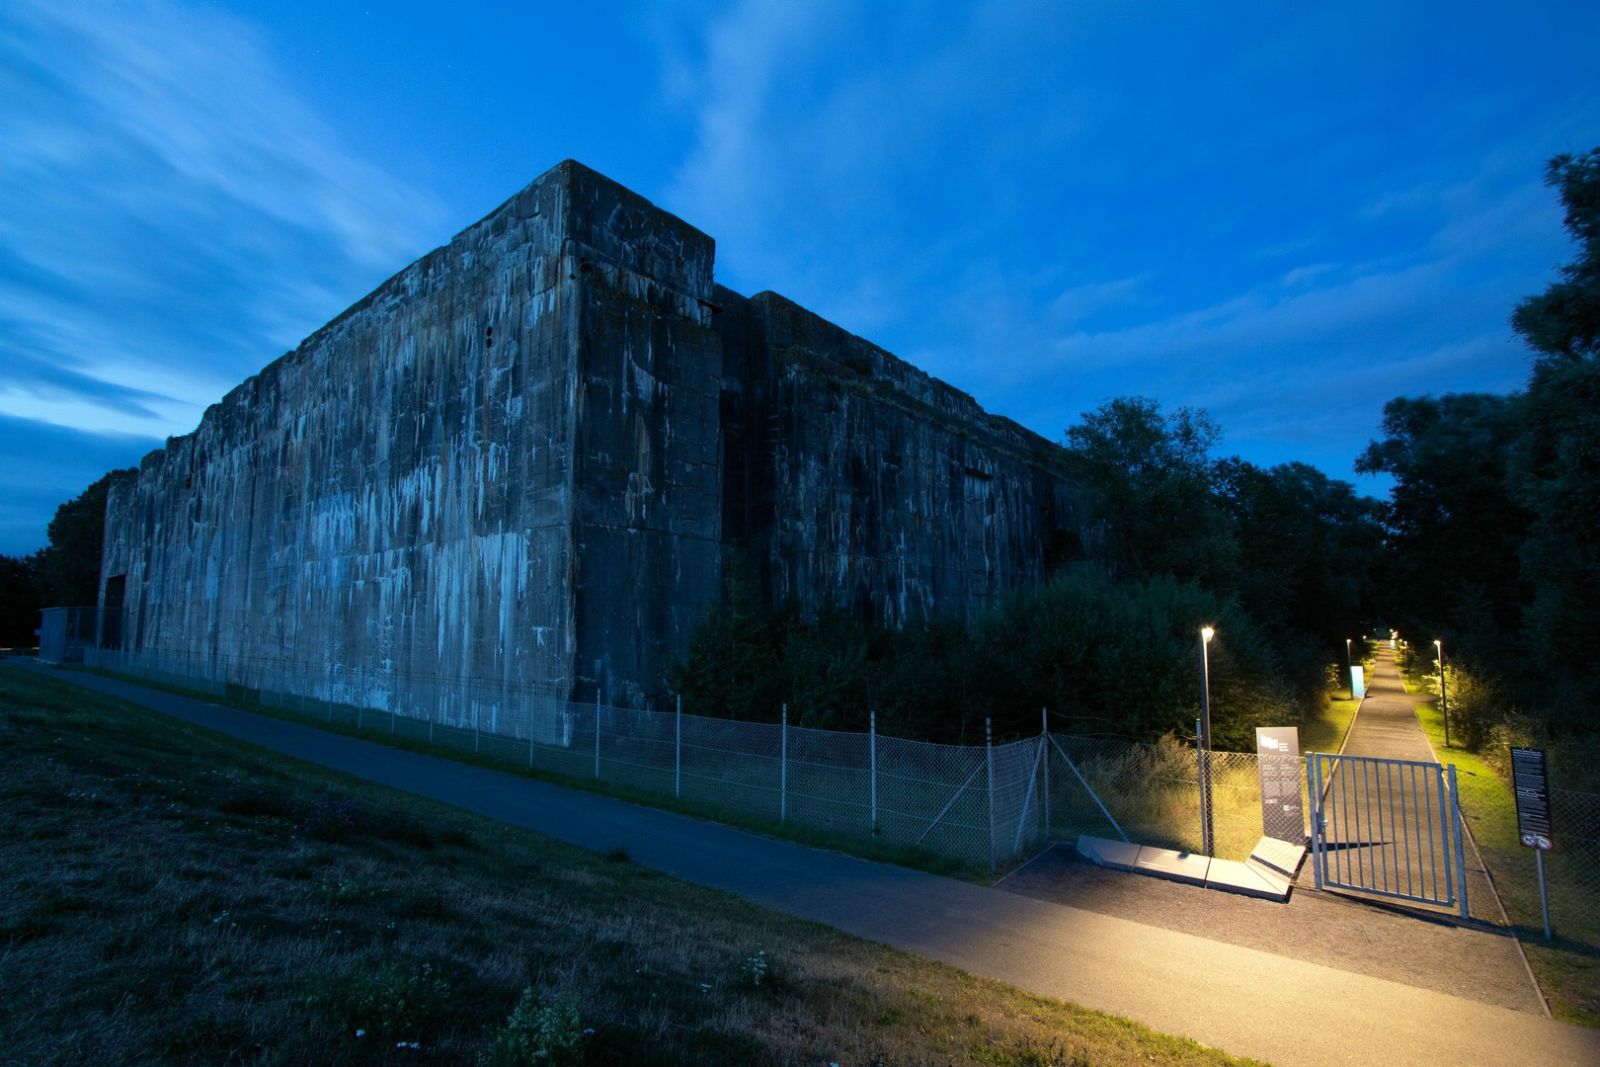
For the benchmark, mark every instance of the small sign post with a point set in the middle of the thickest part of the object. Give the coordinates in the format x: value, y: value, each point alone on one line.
x: 1532, y: 787
x: 1358, y: 683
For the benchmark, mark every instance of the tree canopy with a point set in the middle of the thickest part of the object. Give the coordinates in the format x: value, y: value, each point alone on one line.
x: 1562, y: 323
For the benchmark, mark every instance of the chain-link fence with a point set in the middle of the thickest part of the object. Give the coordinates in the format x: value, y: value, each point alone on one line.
x: 982, y: 805
x: 1151, y: 793
x: 1572, y: 867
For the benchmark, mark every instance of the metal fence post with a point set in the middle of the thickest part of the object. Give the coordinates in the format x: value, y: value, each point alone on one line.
x: 872, y: 765
x: 597, y: 731
x: 988, y: 762
x: 1205, y: 791
x: 1544, y: 891
x: 783, y: 766
x: 1314, y: 796
x: 476, y: 734
x: 677, y: 751
x: 1461, y: 857
x: 1044, y: 747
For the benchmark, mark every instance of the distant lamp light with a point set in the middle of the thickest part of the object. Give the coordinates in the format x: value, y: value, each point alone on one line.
x: 1207, y: 633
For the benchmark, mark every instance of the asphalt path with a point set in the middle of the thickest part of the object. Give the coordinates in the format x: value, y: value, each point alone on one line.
x: 1244, y: 1000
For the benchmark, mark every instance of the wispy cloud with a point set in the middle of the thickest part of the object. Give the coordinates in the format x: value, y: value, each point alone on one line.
x: 173, y: 214
x: 1048, y: 206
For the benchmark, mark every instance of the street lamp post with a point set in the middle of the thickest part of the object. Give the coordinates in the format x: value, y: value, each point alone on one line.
x: 1207, y: 837
x: 1444, y: 703
x: 1349, y: 668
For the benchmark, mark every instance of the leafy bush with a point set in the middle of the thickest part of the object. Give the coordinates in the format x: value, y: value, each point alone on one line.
x: 754, y: 970
x: 547, y: 1033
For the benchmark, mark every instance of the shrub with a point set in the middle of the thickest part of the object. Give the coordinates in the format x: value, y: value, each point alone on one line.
x: 754, y: 970
x: 547, y: 1033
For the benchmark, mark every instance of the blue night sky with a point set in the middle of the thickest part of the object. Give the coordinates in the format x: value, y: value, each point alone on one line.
x: 1286, y: 216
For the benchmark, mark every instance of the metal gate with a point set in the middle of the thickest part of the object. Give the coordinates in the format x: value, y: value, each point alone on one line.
x: 1389, y: 827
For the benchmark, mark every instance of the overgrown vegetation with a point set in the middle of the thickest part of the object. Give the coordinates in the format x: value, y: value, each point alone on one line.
x: 174, y: 897
x: 1119, y: 658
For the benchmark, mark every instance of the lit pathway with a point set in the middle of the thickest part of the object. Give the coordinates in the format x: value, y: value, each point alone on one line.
x: 1243, y: 1000
x: 1387, y: 727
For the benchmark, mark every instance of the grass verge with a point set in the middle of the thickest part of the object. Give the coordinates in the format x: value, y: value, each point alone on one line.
x: 172, y: 896
x: 1326, y: 731
x: 1567, y: 967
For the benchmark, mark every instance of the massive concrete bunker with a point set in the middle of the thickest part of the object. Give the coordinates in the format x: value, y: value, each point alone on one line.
x: 523, y: 462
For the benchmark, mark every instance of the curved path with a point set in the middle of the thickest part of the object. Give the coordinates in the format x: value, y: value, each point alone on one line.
x: 1244, y: 1000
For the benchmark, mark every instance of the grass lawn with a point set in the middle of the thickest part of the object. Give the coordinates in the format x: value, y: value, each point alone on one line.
x: 173, y: 896
x: 1325, y: 732
x: 1568, y: 968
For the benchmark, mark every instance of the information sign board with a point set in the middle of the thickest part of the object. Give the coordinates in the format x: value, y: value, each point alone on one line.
x: 1533, y: 797
x: 1278, y: 758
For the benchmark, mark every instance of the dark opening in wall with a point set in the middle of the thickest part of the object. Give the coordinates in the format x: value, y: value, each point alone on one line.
x: 111, y: 617
x: 488, y: 337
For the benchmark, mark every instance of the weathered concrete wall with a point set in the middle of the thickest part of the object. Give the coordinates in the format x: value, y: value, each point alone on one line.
x: 648, y: 491
x: 399, y: 494
x: 519, y: 464
x: 859, y: 483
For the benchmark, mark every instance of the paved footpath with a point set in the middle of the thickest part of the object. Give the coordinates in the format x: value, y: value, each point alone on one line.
x: 1243, y: 1000
x: 1387, y: 727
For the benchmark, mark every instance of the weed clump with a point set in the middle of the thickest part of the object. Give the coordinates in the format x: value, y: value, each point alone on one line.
x: 544, y: 1032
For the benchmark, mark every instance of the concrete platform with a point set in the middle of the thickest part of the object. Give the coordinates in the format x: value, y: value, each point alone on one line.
x: 1281, y: 856
x: 1251, y: 878
x: 1173, y: 865
x: 1117, y: 855
x: 1247, y: 879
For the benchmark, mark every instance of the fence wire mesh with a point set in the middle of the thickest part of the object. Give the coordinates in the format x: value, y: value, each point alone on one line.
x: 1151, y: 793
x: 1572, y: 868
x: 986, y: 806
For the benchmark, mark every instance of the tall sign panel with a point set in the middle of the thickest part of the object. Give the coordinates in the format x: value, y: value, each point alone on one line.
x: 1278, y: 757
x: 1533, y: 797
